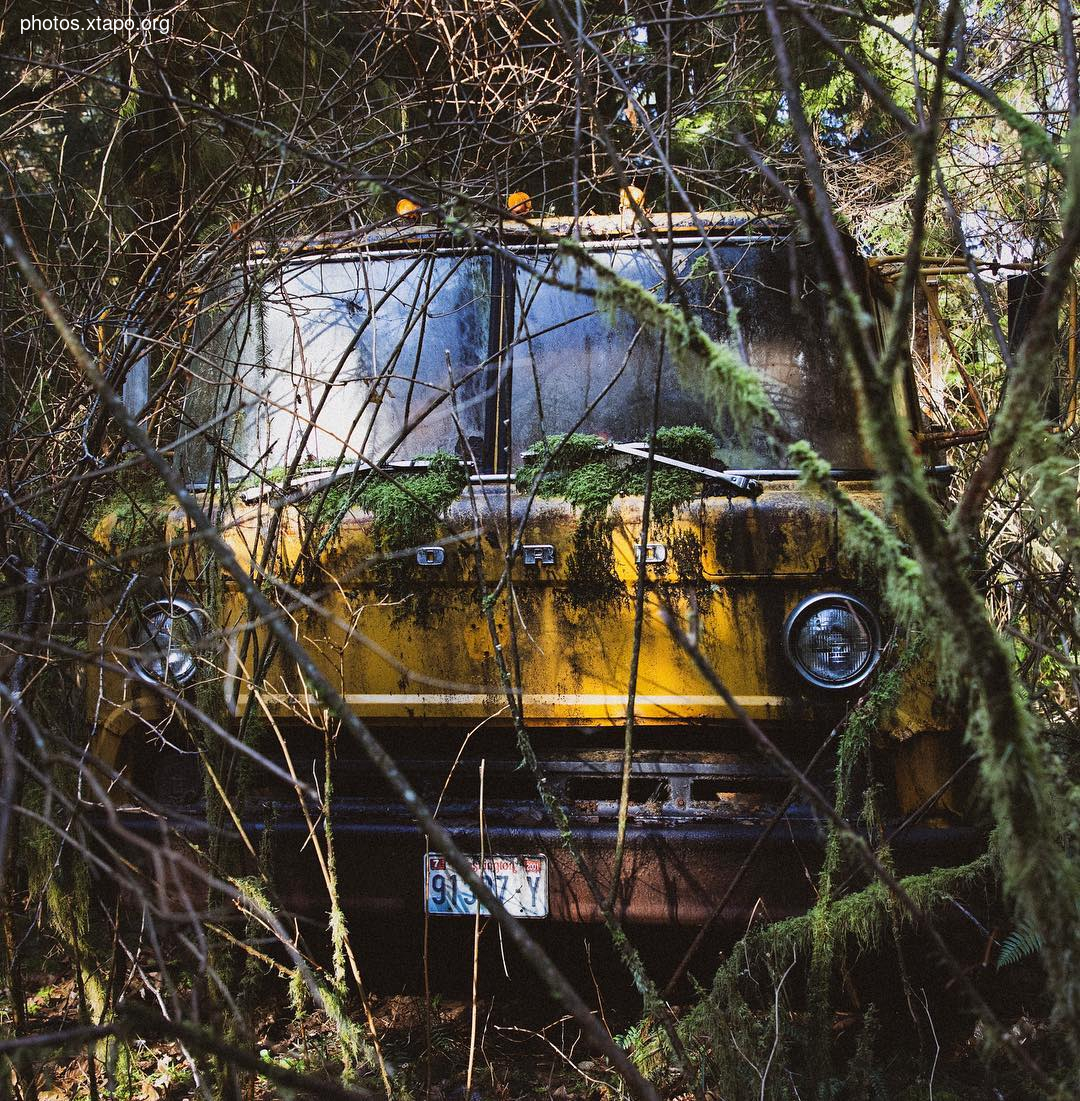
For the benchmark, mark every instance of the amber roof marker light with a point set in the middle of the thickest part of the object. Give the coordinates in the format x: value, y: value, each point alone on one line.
x: 406, y: 208
x: 519, y: 203
x: 630, y: 199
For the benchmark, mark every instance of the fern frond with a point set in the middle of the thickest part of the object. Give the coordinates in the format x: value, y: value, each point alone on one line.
x: 1018, y: 945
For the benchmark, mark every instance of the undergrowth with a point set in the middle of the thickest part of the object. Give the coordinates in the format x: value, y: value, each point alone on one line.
x: 138, y: 507
x: 734, y: 1026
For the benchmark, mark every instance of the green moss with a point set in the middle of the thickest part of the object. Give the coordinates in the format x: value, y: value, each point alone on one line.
x: 405, y: 506
x: 671, y: 488
x: 140, y: 504
x: 732, y: 1028
x: 580, y: 469
x: 576, y: 468
x: 874, y: 547
x: 356, y: 1051
x: 853, y: 751
x: 591, y: 488
x: 586, y: 471
x: 687, y: 442
x: 406, y: 512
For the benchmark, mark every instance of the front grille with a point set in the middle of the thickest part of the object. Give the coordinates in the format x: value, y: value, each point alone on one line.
x: 704, y: 775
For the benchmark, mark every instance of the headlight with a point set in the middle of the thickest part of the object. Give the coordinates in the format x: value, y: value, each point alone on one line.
x: 833, y: 640
x: 164, y: 638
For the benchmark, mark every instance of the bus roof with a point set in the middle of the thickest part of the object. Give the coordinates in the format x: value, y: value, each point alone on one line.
x: 409, y: 232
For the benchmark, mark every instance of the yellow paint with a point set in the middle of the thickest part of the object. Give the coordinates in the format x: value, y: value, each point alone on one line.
x: 733, y: 570
x: 425, y: 650
x: 423, y: 655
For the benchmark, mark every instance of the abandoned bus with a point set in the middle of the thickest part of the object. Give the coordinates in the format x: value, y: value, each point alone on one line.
x: 437, y: 455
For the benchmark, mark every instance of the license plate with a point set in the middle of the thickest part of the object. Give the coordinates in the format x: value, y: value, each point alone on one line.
x: 519, y: 882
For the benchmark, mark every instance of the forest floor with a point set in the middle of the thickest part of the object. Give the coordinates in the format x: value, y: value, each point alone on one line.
x: 426, y: 1053
x: 522, y: 1050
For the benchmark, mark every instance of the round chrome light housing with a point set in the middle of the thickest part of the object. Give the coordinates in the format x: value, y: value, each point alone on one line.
x: 833, y: 640
x: 164, y: 639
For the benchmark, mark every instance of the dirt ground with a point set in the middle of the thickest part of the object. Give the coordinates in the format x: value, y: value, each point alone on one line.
x: 519, y: 1045
x: 426, y: 1053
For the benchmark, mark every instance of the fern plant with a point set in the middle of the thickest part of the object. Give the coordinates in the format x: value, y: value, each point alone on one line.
x: 1018, y: 945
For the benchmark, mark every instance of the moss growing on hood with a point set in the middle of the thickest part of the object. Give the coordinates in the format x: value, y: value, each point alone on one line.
x: 578, y: 469
x: 139, y: 506
x: 406, y: 509
x: 405, y: 506
x: 673, y: 488
x: 586, y: 471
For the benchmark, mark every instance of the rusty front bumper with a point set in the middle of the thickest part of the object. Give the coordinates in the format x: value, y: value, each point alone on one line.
x: 706, y: 827
x: 675, y: 873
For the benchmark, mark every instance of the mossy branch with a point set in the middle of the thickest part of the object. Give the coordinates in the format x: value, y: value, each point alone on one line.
x: 729, y: 382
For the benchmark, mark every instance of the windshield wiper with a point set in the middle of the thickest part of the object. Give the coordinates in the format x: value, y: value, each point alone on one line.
x: 730, y: 485
x: 305, y: 484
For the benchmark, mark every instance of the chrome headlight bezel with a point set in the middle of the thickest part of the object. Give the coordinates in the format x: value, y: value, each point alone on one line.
x: 142, y: 636
x: 818, y: 602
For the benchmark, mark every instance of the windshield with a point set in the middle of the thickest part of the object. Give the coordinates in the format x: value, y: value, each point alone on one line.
x: 573, y: 365
x: 381, y: 358
x: 392, y: 357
